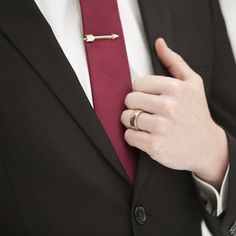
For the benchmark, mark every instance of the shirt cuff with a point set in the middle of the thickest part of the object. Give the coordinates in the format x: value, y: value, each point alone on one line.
x: 215, y: 202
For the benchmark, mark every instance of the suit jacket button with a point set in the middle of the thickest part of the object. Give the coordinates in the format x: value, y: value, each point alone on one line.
x: 232, y: 229
x: 140, y: 215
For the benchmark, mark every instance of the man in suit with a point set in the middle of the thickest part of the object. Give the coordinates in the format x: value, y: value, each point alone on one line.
x: 60, y: 171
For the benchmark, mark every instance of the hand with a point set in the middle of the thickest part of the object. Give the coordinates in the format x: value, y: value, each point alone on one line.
x: 176, y: 128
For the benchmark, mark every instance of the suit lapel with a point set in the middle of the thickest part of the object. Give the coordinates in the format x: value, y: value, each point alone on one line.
x: 157, y: 23
x: 156, y: 16
x: 31, y: 35
x: 24, y: 26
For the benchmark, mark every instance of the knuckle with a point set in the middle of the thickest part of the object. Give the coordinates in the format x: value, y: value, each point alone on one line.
x: 163, y: 107
x: 171, y: 108
x: 153, y: 126
x: 175, y: 86
x: 152, y: 104
x: 162, y: 129
x: 168, y: 106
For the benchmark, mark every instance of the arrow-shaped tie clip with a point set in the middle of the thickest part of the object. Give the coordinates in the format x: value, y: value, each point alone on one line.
x: 88, y: 38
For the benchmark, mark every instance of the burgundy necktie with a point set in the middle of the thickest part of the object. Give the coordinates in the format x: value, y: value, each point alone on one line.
x: 109, y: 72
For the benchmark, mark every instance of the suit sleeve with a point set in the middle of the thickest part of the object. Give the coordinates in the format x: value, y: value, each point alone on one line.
x: 215, y: 202
x: 222, y: 103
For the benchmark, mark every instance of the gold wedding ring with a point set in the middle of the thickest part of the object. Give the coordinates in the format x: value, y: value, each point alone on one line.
x: 133, y: 119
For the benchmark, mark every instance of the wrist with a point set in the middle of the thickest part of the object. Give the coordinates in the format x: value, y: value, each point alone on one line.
x: 214, y: 165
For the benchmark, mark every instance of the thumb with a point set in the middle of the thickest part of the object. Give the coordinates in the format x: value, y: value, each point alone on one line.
x: 175, y: 64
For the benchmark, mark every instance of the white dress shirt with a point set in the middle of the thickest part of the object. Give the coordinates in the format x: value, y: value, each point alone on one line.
x: 229, y: 12
x: 64, y: 17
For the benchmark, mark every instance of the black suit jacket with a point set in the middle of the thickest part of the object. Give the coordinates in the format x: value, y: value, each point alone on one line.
x: 59, y: 174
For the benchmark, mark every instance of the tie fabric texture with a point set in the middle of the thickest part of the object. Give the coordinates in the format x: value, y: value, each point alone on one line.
x: 109, y: 74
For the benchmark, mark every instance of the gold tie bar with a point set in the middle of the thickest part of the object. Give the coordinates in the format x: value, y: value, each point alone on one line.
x: 91, y: 38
